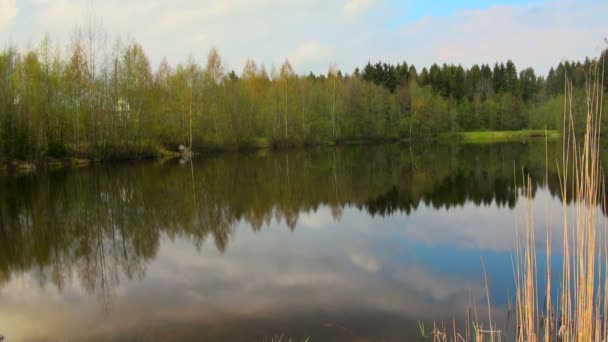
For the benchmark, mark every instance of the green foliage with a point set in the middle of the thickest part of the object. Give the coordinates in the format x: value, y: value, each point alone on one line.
x: 501, y: 136
x: 120, y: 105
x: 57, y: 150
x: 549, y: 114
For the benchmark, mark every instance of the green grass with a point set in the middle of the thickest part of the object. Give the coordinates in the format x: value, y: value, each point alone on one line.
x: 499, y: 136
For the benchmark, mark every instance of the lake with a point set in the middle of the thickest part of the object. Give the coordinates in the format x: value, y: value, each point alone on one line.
x: 348, y: 243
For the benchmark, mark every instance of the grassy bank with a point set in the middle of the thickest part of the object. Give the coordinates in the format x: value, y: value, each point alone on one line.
x: 80, y: 156
x: 499, y: 136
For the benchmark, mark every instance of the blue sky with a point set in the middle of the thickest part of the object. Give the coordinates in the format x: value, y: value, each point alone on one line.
x: 417, y: 9
x: 314, y: 34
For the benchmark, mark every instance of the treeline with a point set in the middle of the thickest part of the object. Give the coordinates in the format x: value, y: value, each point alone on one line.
x: 106, y: 100
x: 483, y: 97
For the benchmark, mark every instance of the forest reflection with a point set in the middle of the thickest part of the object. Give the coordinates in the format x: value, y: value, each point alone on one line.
x: 101, y: 224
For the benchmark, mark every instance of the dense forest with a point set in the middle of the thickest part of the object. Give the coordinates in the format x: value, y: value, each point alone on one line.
x: 105, y: 100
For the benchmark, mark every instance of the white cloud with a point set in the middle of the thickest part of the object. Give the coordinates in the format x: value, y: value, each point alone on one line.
x: 318, y: 219
x: 309, y: 53
x: 8, y: 12
x: 366, y: 262
x: 175, y: 18
x: 348, y: 32
x: 59, y: 15
x: 356, y: 6
x: 537, y: 35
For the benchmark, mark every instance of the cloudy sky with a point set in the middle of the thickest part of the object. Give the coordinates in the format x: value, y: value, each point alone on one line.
x: 313, y: 34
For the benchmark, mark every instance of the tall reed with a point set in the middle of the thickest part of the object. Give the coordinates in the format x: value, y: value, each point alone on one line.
x: 578, y: 313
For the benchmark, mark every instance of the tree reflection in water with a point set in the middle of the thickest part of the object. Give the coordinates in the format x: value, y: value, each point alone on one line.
x: 101, y: 224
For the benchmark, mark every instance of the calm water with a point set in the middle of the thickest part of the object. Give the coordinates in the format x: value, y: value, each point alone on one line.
x: 334, y: 244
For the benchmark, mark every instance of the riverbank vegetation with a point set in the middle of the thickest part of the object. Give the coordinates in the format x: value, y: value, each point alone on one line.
x: 501, y: 136
x: 97, y: 100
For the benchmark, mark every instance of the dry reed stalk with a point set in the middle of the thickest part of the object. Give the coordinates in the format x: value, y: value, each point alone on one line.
x: 578, y: 315
x: 581, y: 301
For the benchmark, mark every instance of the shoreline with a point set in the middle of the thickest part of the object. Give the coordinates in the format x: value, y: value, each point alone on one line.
x: 87, y: 159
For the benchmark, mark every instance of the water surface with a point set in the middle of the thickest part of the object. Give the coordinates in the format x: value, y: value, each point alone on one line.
x: 345, y: 243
